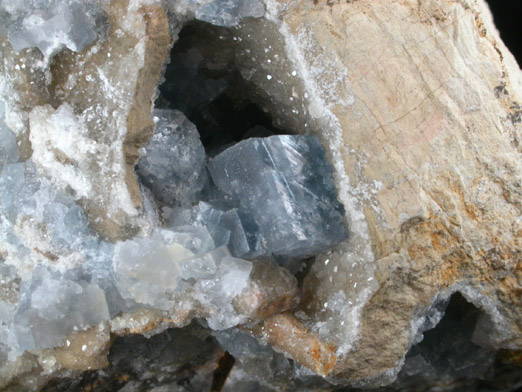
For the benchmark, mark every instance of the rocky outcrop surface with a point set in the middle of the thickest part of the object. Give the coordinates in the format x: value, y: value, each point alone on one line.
x: 418, y: 103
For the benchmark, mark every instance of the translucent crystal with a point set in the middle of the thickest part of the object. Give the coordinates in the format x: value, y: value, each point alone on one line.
x: 15, y: 192
x: 206, y: 215
x: 286, y: 184
x: 160, y: 259
x: 217, y: 294
x: 146, y: 268
x: 8, y: 149
x: 232, y: 228
x: 40, y: 224
x: 170, y: 267
x: 229, y: 12
x: 51, y: 307
x: 64, y: 25
x: 257, y: 366
x: 172, y: 164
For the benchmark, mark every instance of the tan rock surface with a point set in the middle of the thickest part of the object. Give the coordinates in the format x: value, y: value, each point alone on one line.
x: 421, y: 107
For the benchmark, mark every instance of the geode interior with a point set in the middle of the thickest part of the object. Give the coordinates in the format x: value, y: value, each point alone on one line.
x: 189, y: 234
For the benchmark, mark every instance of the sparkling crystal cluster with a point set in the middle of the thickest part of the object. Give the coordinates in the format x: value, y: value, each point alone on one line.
x: 172, y: 165
x: 261, y: 198
x: 52, y: 26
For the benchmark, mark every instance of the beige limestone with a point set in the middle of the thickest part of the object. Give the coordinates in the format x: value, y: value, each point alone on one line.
x: 420, y: 103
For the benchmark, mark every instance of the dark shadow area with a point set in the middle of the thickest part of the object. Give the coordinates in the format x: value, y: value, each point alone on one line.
x: 447, y: 353
x: 204, y: 83
x: 448, y: 359
x: 176, y: 359
x: 506, y: 14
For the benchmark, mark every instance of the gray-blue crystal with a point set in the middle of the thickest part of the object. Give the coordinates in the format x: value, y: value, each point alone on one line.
x: 173, y: 162
x: 16, y: 190
x: 286, y: 184
x: 206, y: 215
x: 245, y: 239
x: 8, y: 148
x: 229, y: 12
x: 228, y: 227
x: 64, y: 25
x: 51, y: 307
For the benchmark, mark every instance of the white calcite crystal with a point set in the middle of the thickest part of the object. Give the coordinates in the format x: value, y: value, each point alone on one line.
x: 62, y: 24
x: 160, y: 270
x: 172, y: 163
x: 286, y: 184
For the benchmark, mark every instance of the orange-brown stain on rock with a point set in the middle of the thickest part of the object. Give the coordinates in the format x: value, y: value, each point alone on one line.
x: 287, y: 334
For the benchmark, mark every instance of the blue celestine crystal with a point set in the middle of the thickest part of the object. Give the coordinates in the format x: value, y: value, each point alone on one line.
x: 24, y: 194
x: 172, y: 164
x: 63, y: 25
x: 17, y: 190
x: 286, y: 184
x: 228, y: 227
x: 8, y: 149
x: 171, y: 267
x: 229, y: 12
x: 51, y: 307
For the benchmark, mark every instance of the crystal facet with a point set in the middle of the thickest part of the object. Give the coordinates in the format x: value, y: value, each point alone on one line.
x: 172, y: 164
x: 52, y: 307
x: 64, y: 25
x: 229, y: 12
x: 286, y: 184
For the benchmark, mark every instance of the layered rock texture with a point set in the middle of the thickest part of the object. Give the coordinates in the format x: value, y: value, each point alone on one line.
x: 259, y: 195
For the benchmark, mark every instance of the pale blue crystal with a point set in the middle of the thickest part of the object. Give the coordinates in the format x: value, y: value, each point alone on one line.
x: 286, y: 184
x: 229, y: 227
x: 51, y: 307
x: 16, y: 190
x: 8, y: 148
x: 172, y: 164
x: 229, y: 12
x: 62, y: 25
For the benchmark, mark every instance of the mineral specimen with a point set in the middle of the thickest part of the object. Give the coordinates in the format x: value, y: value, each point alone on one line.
x: 370, y: 147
